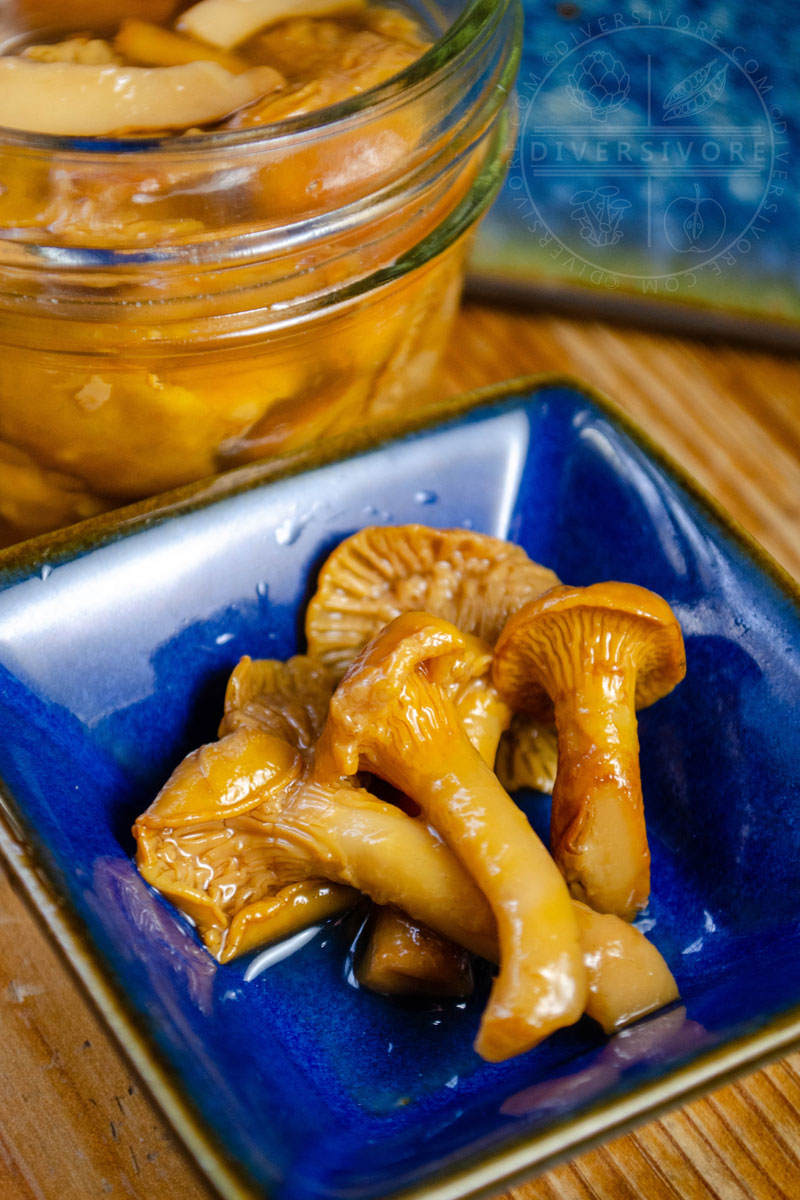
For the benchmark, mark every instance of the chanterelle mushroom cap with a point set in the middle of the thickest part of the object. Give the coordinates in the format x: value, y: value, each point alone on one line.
x: 230, y: 873
x: 471, y: 579
x: 592, y: 656
x: 224, y: 779
x: 615, y: 621
x: 287, y: 699
x: 367, y: 696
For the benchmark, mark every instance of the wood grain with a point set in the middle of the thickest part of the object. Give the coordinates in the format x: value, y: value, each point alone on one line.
x: 74, y: 1122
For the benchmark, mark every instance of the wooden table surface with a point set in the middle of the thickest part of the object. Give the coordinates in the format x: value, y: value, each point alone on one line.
x: 74, y: 1121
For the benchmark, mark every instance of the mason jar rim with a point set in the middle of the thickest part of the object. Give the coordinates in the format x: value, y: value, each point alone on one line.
x: 477, y: 20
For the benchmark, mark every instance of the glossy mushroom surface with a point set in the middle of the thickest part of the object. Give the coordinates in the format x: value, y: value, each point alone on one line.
x: 238, y: 821
x: 472, y: 579
x: 590, y: 657
x: 393, y: 714
x: 403, y: 958
x: 290, y: 700
x: 287, y: 699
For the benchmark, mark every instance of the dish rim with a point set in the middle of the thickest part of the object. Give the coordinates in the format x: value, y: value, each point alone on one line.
x: 531, y: 1153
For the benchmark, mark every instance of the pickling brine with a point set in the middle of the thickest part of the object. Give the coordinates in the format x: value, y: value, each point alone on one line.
x: 227, y: 231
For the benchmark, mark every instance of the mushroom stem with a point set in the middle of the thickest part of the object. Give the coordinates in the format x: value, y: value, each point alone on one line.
x: 627, y: 975
x: 238, y: 841
x: 236, y: 823
x: 595, y: 655
x: 350, y: 837
x: 598, y: 834
x: 394, y: 714
x: 540, y: 986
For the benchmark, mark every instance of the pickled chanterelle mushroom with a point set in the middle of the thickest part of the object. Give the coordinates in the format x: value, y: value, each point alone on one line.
x: 594, y: 655
x: 393, y: 714
x: 214, y: 68
x: 77, y: 99
x: 472, y: 579
x: 288, y: 699
x: 238, y: 822
x: 269, y: 830
x: 468, y: 578
x: 209, y: 845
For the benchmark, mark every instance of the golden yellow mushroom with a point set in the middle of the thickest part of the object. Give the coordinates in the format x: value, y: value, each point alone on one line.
x: 84, y: 99
x: 393, y: 714
x: 592, y: 656
x: 201, y: 844
x: 287, y: 699
x: 149, y: 45
x: 628, y: 978
x: 237, y: 823
x: 402, y: 958
x: 34, y: 499
x: 472, y: 579
x: 232, y: 835
x: 228, y: 23
x: 290, y: 700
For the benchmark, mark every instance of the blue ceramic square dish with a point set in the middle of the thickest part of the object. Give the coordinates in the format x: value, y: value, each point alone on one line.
x: 115, y: 643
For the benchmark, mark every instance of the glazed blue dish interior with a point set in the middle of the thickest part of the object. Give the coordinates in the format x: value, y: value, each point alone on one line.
x: 113, y: 665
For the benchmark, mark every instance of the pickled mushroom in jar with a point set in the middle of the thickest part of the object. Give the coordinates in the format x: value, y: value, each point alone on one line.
x: 171, y: 378
x: 82, y: 99
x: 33, y: 497
x: 227, y: 23
x: 149, y: 78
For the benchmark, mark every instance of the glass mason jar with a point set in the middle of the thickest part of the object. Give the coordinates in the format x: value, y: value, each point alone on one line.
x: 173, y: 306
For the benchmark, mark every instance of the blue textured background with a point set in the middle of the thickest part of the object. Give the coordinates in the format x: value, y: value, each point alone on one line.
x: 756, y: 57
